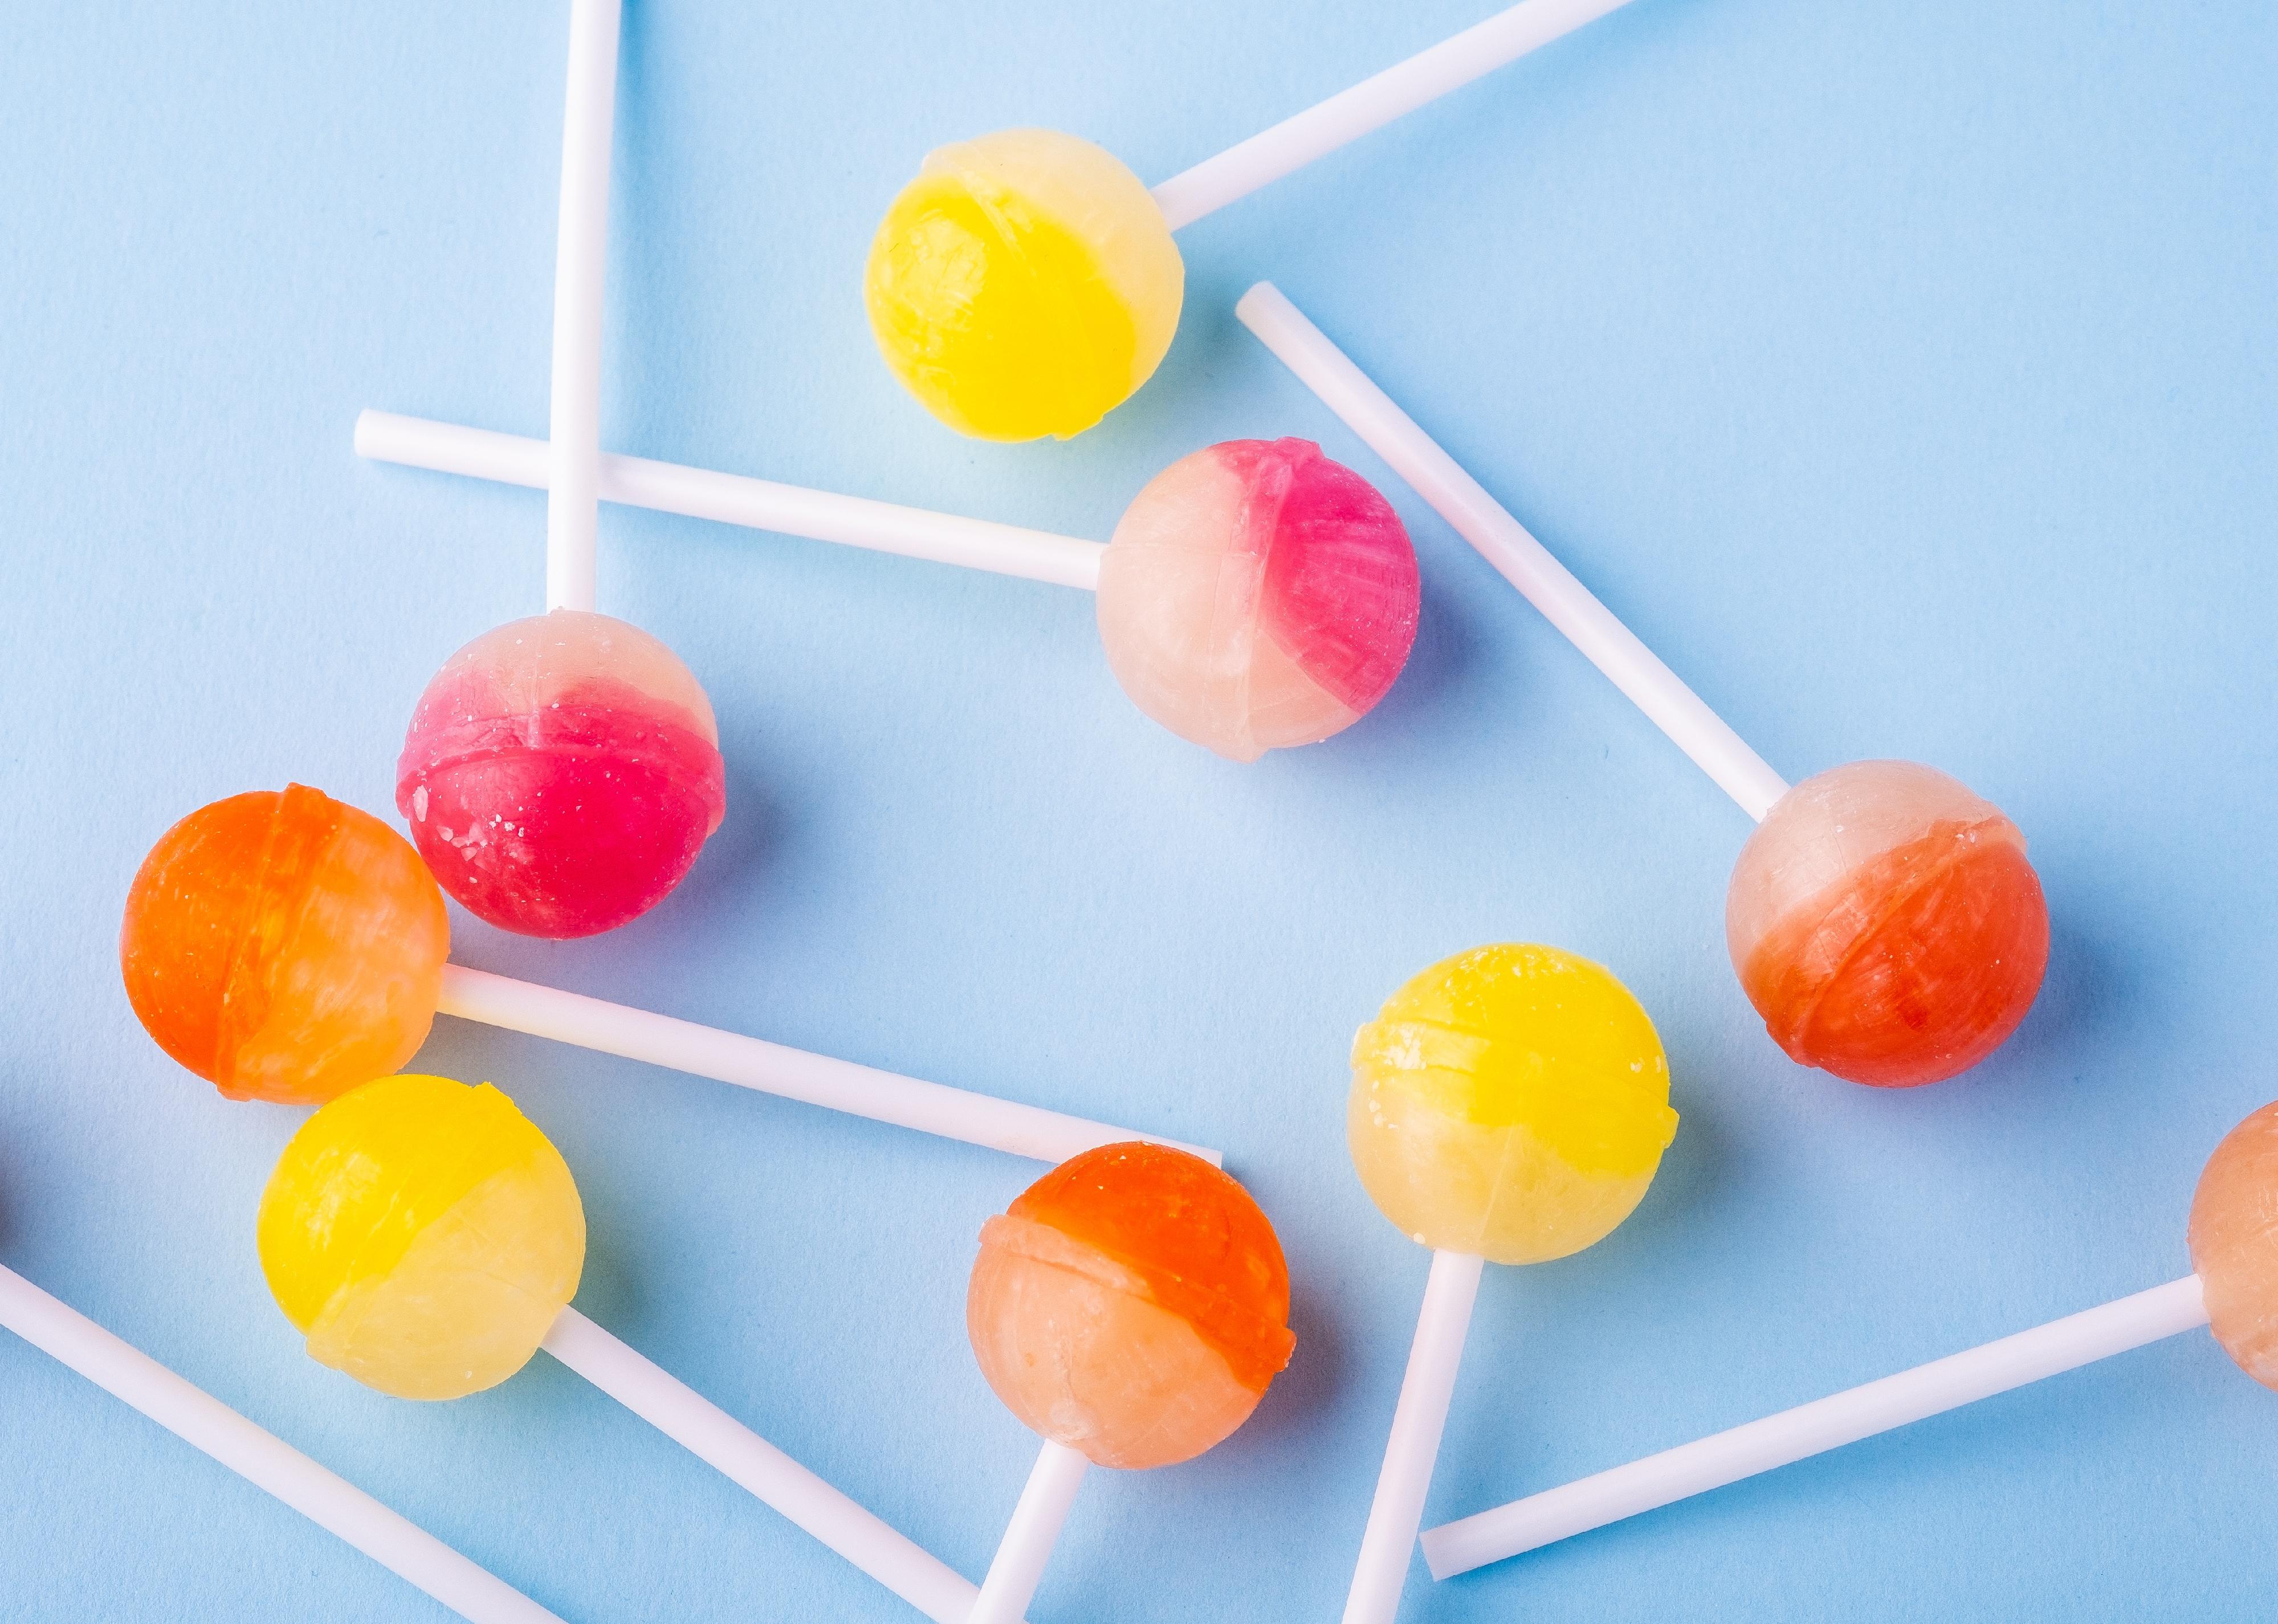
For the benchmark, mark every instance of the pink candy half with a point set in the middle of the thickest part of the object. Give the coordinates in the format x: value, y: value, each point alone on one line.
x: 561, y: 775
x: 1258, y: 595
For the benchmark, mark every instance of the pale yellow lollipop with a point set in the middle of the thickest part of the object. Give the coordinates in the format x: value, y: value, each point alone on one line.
x: 424, y: 1235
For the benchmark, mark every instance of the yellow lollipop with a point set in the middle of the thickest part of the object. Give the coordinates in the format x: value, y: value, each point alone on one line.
x: 1025, y: 283
x: 1509, y: 1104
x: 422, y: 1235
x: 426, y: 1238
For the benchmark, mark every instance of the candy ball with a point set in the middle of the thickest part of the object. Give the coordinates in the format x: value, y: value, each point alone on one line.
x: 1885, y: 924
x: 1258, y: 595
x: 1510, y: 1103
x: 1025, y: 283
x: 561, y: 774
x: 1131, y: 1304
x: 2234, y: 1242
x: 284, y: 946
x: 422, y: 1235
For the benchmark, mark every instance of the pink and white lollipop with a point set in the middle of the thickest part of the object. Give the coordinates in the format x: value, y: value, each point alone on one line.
x: 1255, y: 596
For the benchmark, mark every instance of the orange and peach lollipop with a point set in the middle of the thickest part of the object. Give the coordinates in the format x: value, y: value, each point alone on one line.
x: 1131, y: 1306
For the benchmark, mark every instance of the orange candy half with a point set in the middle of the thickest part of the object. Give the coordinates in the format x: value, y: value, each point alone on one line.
x: 1132, y: 1304
x: 284, y: 946
x: 2234, y: 1241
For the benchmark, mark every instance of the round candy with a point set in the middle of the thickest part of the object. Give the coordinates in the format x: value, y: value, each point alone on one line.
x: 1258, y: 595
x: 284, y: 946
x: 1131, y: 1304
x: 1023, y: 285
x: 422, y: 1235
x: 1510, y: 1103
x: 561, y: 774
x: 2234, y: 1242
x: 1885, y: 924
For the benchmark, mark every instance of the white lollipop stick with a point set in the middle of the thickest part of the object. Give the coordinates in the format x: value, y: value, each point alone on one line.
x: 1505, y: 541
x: 261, y: 1458
x: 1795, y: 1434
x: 580, y: 256
x: 770, y: 1068
x: 1372, y: 104
x: 722, y: 1442
x: 1029, y: 1537
x: 732, y: 499
x: 1389, y: 1540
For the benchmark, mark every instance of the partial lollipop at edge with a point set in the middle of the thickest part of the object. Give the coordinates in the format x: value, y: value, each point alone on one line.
x: 2232, y: 1289
x: 1131, y: 1308
x: 1883, y: 920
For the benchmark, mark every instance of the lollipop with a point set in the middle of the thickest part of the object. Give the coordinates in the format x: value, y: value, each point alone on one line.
x: 1255, y: 594
x: 285, y: 947
x: 1026, y: 284
x: 2233, y: 1287
x: 1882, y: 918
x: 1509, y: 1105
x: 261, y: 1458
x: 425, y: 1238
x: 1131, y: 1306
x: 561, y: 774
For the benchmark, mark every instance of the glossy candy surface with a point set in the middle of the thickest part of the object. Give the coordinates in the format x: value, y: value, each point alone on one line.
x: 1886, y: 924
x: 1132, y: 1304
x: 284, y: 946
x: 1025, y: 283
x: 1511, y: 1101
x: 561, y: 774
x: 424, y: 1235
x: 1258, y: 595
x: 2234, y: 1241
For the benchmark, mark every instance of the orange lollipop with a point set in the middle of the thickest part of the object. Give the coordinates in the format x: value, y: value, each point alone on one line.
x: 1131, y: 1306
x: 285, y: 946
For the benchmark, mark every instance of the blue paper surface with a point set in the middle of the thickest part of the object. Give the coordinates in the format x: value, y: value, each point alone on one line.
x: 1903, y: 374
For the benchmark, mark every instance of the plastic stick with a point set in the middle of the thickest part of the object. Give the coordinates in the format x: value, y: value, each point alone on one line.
x: 1029, y: 1537
x: 261, y: 1458
x: 721, y: 1441
x: 1372, y: 104
x: 1808, y: 1429
x: 1504, y: 542
x: 580, y: 256
x: 732, y: 499
x: 771, y: 1068
x: 1389, y: 1540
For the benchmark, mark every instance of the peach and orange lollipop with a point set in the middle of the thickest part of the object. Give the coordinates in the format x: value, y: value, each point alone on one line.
x: 1131, y: 1306
x: 1883, y: 920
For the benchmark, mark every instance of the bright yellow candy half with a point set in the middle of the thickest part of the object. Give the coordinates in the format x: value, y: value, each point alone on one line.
x: 424, y: 1234
x: 1025, y: 283
x: 1511, y: 1101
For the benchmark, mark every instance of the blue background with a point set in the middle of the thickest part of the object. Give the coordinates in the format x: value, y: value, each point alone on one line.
x: 1902, y: 373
